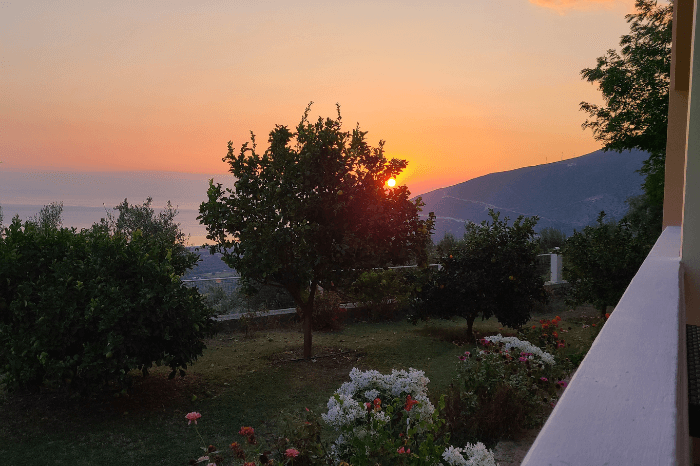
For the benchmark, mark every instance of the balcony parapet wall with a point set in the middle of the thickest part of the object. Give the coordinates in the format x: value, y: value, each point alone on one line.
x: 627, y: 404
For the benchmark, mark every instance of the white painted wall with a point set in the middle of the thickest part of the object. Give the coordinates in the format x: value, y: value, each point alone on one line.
x: 628, y: 402
x: 556, y: 268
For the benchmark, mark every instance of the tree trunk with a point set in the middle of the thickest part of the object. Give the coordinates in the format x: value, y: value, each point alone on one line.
x: 470, y: 326
x: 307, y: 312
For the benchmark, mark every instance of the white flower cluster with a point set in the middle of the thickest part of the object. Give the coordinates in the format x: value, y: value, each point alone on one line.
x: 347, y: 408
x: 347, y: 405
x: 476, y: 455
x: 524, y: 346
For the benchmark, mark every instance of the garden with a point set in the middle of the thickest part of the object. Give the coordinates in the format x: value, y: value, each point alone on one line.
x: 107, y: 357
x: 259, y: 399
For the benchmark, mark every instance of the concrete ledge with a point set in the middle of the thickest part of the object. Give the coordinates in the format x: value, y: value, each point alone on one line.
x: 628, y: 402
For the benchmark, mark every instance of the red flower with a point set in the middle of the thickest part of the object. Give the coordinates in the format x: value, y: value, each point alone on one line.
x: 250, y: 433
x: 237, y: 450
x: 247, y: 431
x: 409, y: 403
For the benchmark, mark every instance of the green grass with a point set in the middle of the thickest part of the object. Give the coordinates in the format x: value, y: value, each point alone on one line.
x: 239, y: 381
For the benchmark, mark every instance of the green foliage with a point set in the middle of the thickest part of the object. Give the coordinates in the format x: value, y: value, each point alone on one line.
x: 635, y: 85
x: 383, y: 292
x: 161, y: 226
x: 328, y: 315
x: 313, y: 204
x: 491, y: 271
x: 265, y: 298
x: 445, y: 246
x: 549, y: 238
x: 644, y: 219
x: 500, y: 391
x: 81, y: 309
x: 49, y: 216
x: 601, y: 261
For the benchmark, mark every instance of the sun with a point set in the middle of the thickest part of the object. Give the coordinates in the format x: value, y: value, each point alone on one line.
x: 391, y: 182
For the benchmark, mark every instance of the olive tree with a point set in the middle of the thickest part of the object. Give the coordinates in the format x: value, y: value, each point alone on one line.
x: 160, y: 226
x: 314, y: 204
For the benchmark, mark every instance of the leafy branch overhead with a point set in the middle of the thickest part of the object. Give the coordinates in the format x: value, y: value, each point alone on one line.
x: 634, y: 84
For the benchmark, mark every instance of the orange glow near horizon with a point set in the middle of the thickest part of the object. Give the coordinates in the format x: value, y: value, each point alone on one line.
x: 149, y: 86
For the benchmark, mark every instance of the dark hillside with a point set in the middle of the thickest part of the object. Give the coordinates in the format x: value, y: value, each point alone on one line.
x: 567, y: 195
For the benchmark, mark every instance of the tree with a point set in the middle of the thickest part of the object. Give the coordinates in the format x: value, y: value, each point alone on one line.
x: 601, y: 261
x: 81, y: 309
x: 161, y: 226
x: 635, y: 86
x: 550, y: 238
x: 50, y: 216
x: 491, y: 271
x: 313, y: 205
x: 446, y: 245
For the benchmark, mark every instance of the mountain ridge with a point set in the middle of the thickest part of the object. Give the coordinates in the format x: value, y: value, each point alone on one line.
x: 567, y: 195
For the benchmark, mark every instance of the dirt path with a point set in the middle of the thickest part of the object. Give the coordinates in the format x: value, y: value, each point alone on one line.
x: 512, y: 452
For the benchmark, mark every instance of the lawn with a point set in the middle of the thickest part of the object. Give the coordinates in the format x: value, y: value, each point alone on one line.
x: 257, y: 381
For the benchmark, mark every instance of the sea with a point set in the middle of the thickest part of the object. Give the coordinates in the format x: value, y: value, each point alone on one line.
x: 88, y: 196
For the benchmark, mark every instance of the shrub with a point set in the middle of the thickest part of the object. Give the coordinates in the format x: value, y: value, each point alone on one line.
x: 508, y: 385
x: 388, y: 419
x: 80, y: 309
x: 383, y: 292
x: 328, y: 315
x: 601, y: 261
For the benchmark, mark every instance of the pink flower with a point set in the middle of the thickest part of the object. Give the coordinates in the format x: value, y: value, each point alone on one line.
x: 467, y: 353
x: 543, y: 379
x: 192, y: 417
x: 522, y: 359
x: 291, y: 453
x: 562, y: 383
x: 402, y: 451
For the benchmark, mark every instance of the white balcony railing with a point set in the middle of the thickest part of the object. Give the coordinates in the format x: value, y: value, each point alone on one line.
x: 627, y: 404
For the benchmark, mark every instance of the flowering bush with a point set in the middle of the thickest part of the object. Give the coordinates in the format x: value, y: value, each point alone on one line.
x: 548, y: 335
x: 238, y: 453
x: 388, y: 419
x: 509, y: 384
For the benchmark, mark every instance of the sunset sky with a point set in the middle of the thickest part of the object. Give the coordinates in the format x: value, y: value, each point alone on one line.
x: 458, y: 88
